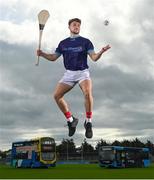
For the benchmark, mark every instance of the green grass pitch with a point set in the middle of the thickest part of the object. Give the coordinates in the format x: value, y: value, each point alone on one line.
x: 76, y: 171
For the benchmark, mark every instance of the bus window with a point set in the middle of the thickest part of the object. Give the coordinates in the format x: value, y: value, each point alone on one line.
x: 107, y: 155
x: 47, y: 149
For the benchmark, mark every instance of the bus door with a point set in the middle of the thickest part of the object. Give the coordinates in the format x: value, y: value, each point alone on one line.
x: 130, y: 159
x: 119, y: 158
x: 29, y: 154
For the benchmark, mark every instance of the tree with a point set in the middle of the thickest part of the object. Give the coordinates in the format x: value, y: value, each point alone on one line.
x: 66, y: 148
x: 116, y: 143
x: 87, y: 148
x: 137, y: 143
x: 126, y: 143
x: 150, y: 145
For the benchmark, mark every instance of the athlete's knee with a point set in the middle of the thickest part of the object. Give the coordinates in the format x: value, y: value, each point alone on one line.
x: 88, y: 95
x: 57, y: 96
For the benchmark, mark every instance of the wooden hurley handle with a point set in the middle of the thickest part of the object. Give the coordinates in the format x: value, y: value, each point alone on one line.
x: 39, y: 47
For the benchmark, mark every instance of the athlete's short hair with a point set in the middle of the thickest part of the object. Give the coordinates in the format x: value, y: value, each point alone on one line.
x: 74, y: 19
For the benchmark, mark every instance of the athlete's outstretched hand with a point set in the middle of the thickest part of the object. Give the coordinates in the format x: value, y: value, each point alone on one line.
x: 105, y: 48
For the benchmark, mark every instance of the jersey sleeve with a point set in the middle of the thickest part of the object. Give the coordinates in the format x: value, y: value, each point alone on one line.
x: 89, y: 47
x: 58, y: 50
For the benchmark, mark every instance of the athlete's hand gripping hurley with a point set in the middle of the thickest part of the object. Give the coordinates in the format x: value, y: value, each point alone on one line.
x: 42, y: 18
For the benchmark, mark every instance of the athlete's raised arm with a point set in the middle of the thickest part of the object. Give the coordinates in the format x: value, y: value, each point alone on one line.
x: 95, y: 56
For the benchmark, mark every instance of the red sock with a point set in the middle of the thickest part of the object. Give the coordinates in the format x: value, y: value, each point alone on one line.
x: 68, y: 114
x: 88, y: 115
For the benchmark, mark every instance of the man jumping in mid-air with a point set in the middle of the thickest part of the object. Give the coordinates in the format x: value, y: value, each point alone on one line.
x: 75, y: 50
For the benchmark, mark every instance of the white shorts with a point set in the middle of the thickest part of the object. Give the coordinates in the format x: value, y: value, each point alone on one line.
x: 73, y: 77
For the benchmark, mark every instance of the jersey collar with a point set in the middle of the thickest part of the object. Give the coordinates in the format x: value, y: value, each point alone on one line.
x: 74, y: 35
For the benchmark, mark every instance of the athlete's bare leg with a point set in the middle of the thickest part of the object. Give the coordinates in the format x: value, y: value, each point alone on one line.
x: 60, y: 91
x: 86, y: 87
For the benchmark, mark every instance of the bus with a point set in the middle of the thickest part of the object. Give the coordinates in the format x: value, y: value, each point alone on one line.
x: 40, y: 152
x: 118, y: 156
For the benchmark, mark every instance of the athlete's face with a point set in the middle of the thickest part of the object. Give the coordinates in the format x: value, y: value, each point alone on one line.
x: 74, y: 27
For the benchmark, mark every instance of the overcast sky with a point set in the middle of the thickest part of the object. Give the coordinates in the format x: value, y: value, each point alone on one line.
x: 123, y: 79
